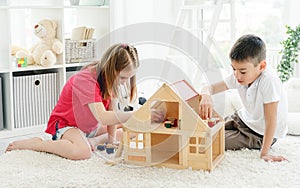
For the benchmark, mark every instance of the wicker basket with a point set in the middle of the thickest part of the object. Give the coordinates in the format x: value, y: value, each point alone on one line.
x: 79, y: 50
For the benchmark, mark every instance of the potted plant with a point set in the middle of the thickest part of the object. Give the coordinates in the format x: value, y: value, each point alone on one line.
x: 289, y: 53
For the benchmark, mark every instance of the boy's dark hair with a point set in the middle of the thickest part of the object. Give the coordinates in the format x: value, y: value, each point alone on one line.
x: 248, y: 46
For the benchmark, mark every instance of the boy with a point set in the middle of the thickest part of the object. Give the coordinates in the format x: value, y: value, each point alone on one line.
x: 263, y: 118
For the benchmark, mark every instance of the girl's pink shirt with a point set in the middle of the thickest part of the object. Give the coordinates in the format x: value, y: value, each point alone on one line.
x: 72, y: 107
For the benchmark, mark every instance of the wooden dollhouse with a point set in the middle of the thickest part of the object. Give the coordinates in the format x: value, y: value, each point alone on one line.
x: 183, y: 140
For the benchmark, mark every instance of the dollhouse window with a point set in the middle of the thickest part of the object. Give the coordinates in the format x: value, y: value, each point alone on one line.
x: 136, y: 141
x: 197, y: 145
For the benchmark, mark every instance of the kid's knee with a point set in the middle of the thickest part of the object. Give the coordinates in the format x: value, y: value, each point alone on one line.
x: 81, y: 154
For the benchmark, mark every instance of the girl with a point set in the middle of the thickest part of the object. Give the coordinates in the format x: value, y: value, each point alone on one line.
x: 77, y: 123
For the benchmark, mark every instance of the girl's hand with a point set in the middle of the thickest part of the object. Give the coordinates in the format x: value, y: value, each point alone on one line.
x: 205, y: 107
x: 272, y: 158
x: 157, y: 116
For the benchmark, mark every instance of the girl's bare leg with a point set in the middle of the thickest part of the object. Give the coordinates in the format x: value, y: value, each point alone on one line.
x: 112, y: 133
x: 73, y: 145
x: 26, y: 144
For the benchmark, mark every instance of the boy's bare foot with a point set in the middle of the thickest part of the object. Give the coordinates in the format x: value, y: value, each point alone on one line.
x: 23, y: 144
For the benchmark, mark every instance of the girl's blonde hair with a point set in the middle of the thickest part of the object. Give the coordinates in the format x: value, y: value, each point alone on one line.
x: 114, y: 60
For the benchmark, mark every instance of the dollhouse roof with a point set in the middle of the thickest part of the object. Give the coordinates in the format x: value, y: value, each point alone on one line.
x: 184, y: 90
x: 180, y: 92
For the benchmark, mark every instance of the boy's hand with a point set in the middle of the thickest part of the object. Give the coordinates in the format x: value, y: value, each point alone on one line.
x: 205, y: 107
x: 272, y: 158
x: 157, y: 116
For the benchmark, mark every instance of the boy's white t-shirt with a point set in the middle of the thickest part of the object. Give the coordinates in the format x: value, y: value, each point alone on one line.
x: 266, y: 88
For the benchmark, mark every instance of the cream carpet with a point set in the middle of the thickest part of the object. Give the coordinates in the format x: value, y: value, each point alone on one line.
x: 238, y: 169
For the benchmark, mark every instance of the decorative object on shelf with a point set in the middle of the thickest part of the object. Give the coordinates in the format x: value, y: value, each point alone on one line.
x: 15, y: 61
x: 77, y: 51
x: 289, y: 53
x: 74, y: 2
x: 15, y: 49
x: 82, y: 33
x: 44, y: 52
x: 22, y: 62
x: 81, y: 46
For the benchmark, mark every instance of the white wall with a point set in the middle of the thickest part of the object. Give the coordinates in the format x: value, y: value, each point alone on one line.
x: 291, y: 13
x: 127, y: 12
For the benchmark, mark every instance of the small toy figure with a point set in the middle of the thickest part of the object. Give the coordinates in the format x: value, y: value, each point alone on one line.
x: 171, y: 122
x: 110, y: 148
x: 101, y: 147
x: 168, y: 124
x: 212, y: 121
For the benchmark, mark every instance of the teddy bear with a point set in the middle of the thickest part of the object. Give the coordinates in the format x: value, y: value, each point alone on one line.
x: 43, y: 52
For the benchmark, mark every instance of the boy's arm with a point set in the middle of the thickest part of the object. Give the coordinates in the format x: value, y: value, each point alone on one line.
x: 270, y: 111
x: 206, y: 106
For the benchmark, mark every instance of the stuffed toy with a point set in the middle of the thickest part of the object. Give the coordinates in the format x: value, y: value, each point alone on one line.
x: 15, y: 49
x: 44, y: 52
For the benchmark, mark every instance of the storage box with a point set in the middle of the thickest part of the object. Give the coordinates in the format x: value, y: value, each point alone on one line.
x: 1, y: 107
x: 35, y: 95
x: 70, y: 71
x: 79, y: 50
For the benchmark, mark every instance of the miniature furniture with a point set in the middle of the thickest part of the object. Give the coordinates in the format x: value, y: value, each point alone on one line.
x: 183, y: 140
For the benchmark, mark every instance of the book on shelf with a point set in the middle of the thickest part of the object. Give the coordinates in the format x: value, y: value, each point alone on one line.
x: 82, y: 33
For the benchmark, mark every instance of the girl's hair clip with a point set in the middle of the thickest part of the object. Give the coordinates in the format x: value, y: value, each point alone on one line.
x: 124, y: 45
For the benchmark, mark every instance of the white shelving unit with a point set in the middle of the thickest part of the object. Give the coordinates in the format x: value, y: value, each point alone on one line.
x: 18, y: 18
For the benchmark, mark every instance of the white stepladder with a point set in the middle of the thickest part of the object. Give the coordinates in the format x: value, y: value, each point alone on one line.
x: 204, y: 19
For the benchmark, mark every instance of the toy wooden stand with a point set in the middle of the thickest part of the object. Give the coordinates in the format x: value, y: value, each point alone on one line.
x: 185, y: 141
